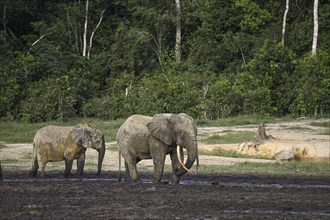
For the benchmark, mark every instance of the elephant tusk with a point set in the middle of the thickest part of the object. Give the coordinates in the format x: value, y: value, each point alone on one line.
x: 179, y: 158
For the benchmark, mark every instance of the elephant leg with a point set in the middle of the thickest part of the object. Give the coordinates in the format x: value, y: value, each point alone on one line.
x: 158, y: 169
x: 68, y: 167
x: 80, y: 164
x: 158, y: 161
x: 42, y: 164
x: 132, y: 171
x: 42, y: 160
x: 175, y: 166
x: 130, y: 164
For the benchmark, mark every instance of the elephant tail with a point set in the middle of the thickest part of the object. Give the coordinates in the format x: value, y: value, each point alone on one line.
x: 35, y: 166
x: 1, y: 179
x: 119, y: 156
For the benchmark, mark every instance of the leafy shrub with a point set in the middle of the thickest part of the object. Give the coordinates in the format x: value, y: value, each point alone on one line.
x: 49, y: 99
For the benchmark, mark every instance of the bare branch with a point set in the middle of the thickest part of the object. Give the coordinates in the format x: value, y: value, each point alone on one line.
x: 35, y: 42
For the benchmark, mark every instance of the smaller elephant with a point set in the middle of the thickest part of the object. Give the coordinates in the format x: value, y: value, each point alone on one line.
x: 58, y: 143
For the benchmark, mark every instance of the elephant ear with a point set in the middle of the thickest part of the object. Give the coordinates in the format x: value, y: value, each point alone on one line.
x: 161, y: 128
x: 80, y: 135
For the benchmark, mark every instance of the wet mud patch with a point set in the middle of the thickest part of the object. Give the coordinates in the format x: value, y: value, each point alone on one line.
x: 198, y: 197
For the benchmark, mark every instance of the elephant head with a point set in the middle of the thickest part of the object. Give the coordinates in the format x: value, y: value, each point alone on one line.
x: 88, y: 137
x: 176, y: 130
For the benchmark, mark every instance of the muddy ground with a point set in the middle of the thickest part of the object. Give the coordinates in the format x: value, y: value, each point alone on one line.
x: 200, y: 196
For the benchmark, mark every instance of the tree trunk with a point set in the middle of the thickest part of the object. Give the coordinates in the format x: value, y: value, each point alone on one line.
x: 316, y: 28
x: 284, y: 20
x: 178, y: 32
x: 85, y: 30
x: 92, y: 35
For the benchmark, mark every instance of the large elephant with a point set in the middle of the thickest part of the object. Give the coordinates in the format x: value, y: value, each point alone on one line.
x: 57, y: 143
x: 142, y: 137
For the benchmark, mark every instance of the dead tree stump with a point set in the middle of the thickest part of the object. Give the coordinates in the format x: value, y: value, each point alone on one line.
x: 255, y: 142
x: 262, y: 133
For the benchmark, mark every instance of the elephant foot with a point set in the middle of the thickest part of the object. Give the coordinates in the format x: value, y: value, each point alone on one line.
x: 175, y: 179
x: 166, y: 182
x: 66, y: 175
x: 33, y: 173
x: 137, y: 181
x: 79, y: 175
x: 158, y: 182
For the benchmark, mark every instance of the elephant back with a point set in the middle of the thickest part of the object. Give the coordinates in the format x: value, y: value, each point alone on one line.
x: 51, y: 134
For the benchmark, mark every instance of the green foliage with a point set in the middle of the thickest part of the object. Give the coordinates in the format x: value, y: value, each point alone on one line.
x: 231, y: 60
x: 254, y: 97
x: 167, y: 92
x: 274, y: 66
x: 254, y: 17
x: 51, y: 99
x: 313, y: 96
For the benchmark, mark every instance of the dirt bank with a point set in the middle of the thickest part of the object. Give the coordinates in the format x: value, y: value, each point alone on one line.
x: 307, y: 141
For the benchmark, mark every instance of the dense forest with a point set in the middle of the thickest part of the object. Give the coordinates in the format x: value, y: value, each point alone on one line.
x: 109, y: 59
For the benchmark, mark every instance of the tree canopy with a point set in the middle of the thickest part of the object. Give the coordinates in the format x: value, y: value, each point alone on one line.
x: 232, y: 60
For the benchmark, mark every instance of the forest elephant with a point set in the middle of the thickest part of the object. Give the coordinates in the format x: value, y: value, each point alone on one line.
x: 58, y: 143
x: 143, y: 137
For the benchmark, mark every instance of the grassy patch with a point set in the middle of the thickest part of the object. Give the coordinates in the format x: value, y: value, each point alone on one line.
x: 293, y: 167
x: 19, y: 132
x: 112, y: 147
x: 9, y: 161
x: 325, y: 132
x: 325, y: 124
x: 91, y: 164
x: 298, y: 128
x: 229, y: 138
x: 2, y: 146
x: 27, y: 156
x: 227, y: 153
x: 239, y: 120
x: 14, y: 132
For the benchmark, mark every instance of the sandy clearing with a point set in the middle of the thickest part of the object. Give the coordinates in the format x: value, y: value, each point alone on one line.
x: 298, y: 134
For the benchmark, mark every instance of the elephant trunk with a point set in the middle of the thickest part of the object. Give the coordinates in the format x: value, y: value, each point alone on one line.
x: 101, y: 156
x: 192, y: 156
